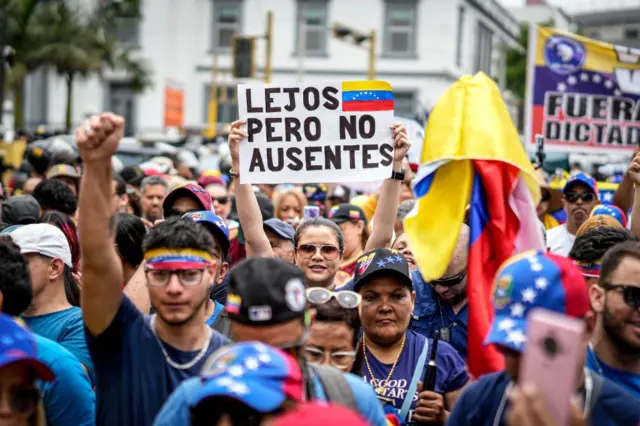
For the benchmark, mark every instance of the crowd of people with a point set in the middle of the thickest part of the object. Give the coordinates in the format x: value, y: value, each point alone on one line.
x: 152, y: 298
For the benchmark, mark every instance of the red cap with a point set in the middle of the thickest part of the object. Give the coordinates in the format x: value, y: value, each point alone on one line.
x: 318, y: 414
x: 189, y: 190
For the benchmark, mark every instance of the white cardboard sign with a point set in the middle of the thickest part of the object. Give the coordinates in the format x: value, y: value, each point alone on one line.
x: 323, y: 132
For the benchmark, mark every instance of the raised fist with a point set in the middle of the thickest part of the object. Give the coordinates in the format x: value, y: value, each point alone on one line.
x: 99, y: 136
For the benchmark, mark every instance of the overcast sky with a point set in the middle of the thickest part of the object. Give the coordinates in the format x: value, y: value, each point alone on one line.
x: 581, y: 5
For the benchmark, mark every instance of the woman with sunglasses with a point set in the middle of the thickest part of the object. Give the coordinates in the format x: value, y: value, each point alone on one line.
x: 395, y: 357
x: 20, y: 402
x: 334, y: 333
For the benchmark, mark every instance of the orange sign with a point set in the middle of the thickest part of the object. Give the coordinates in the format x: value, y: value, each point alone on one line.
x: 173, y: 107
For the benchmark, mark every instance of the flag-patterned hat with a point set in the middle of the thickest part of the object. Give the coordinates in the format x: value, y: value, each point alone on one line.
x: 534, y: 280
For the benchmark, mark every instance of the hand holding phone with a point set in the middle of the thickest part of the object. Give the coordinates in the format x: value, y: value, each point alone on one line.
x: 553, y: 360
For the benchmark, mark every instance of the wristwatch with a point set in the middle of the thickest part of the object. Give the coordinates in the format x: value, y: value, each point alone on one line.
x: 398, y: 175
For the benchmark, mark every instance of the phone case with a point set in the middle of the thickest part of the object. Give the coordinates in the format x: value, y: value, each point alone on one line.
x: 552, y: 359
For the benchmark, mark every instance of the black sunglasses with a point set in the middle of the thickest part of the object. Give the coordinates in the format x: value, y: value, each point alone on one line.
x: 630, y: 294
x: 449, y: 281
x: 586, y: 197
x: 221, y: 200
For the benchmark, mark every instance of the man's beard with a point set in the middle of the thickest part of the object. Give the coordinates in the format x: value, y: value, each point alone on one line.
x: 615, y: 333
x: 205, y: 298
x: 455, y: 300
x: 152, y: 217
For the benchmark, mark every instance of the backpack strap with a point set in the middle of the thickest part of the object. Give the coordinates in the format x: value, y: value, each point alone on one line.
x: 335, y: 386
x: 222, y: 325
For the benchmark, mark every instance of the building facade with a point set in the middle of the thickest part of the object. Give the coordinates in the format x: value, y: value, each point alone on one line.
x: 618, y: 26
x: 422, y: 47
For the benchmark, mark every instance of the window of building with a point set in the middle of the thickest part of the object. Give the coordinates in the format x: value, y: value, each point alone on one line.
x: 631, y: 33
x: 127, y: 31
x: 400, y: 28
x: 484, y: 49
x: 460, y: 36
x: 121, y: 100
x: 226, y: 23
x: 404, y: 104
x: 227, y: 103
x: 312, y: 29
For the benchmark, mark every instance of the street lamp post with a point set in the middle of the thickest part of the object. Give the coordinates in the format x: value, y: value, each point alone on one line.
x: 4, y: 23
x: 357, y: 38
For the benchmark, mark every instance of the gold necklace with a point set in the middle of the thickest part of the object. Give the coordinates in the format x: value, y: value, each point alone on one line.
x: 380, y: 389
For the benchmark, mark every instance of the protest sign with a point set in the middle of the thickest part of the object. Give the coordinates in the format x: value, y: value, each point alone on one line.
x: 324, y: 132
x: 583, y: 95
x: 173, y: 104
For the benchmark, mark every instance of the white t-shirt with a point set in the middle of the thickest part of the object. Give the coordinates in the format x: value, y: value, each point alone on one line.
x: 560, y: 241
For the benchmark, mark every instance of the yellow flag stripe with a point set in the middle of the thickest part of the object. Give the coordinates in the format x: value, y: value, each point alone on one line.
x: 348, y: 86
x: 433, y: 230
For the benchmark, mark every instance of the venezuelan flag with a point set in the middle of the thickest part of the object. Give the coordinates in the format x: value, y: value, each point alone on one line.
x: 365, y: 96
x: 472, y: 157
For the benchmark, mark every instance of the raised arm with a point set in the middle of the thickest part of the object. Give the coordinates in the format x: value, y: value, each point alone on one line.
x: 257, y: 243
x: 97, y: 141
x: 389, y: 199
x: 634, y: 174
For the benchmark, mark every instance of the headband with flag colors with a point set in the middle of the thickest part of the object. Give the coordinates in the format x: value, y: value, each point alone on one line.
x: 472, y: 155
x: 589, y: 269
x: 175, y: 259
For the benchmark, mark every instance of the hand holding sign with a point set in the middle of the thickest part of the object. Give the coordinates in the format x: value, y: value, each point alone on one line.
x: 332, y: 132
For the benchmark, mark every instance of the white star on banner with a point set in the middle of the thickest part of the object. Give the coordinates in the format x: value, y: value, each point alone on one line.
x: 608, y: 84
x: 541, y: 283
x: 516, y: 337
x: 607, y: 197
x: 562, y: 87
x: 597, y: 78
x: 572, y: 80
x: 529, y: 295
x: 617, y: 92
x: 517, y: 310
x: 584, y: 77
x: 506, y: 324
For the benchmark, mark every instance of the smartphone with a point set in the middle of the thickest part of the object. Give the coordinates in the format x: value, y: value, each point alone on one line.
x: 310, y: 212
x: 553, y: 359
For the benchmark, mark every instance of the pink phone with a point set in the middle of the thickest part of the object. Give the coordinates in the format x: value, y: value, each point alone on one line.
x: 553, y: 359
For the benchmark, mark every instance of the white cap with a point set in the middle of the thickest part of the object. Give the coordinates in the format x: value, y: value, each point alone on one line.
x: 44, y: 239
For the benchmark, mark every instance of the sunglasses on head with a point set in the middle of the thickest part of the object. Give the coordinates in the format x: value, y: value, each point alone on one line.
x: 630, y: 294
x: 307, y: 251
x: 347, y: 299
x: 573, y: 197
x: 449, y: 281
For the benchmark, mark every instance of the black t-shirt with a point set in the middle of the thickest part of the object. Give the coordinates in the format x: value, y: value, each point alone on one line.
x: 479, y: 403
x: 133, y: 379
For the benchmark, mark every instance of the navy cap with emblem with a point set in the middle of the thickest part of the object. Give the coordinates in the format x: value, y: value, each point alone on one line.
x: 266, y: 291
x: 379, y: 262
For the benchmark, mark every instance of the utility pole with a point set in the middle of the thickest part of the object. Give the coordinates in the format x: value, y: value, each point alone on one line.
x: 269, y: 37
x: 213, y: 99
x: 352, y: 36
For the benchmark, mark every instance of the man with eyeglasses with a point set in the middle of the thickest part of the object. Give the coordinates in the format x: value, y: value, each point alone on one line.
x: 140, y: 360
x: 579, y: 197
x: 441, y: 305
x: 267, y: 303
x: 614, y: 350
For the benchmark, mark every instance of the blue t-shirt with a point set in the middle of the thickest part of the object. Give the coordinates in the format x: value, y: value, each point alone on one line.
x: 431, y: 315
x: 451, y: 371
x: 68, y: 400
x: 479, y: 403
x: 133, y: 378
x: 175, y: 411
x: 629, y: 381
x: 218, y: 308
x: 65, y: 327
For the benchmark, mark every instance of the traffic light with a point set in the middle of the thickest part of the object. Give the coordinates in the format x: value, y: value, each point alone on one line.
x: 243, y: 63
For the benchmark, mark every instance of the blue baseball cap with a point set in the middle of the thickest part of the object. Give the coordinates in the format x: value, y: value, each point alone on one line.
x: 534, y: 280
x: 214, y: 224
x: 581, y: 178
x: 17, y: 345
x: 253, y: 373
x: 280, y: 228
x: 610, y: 210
